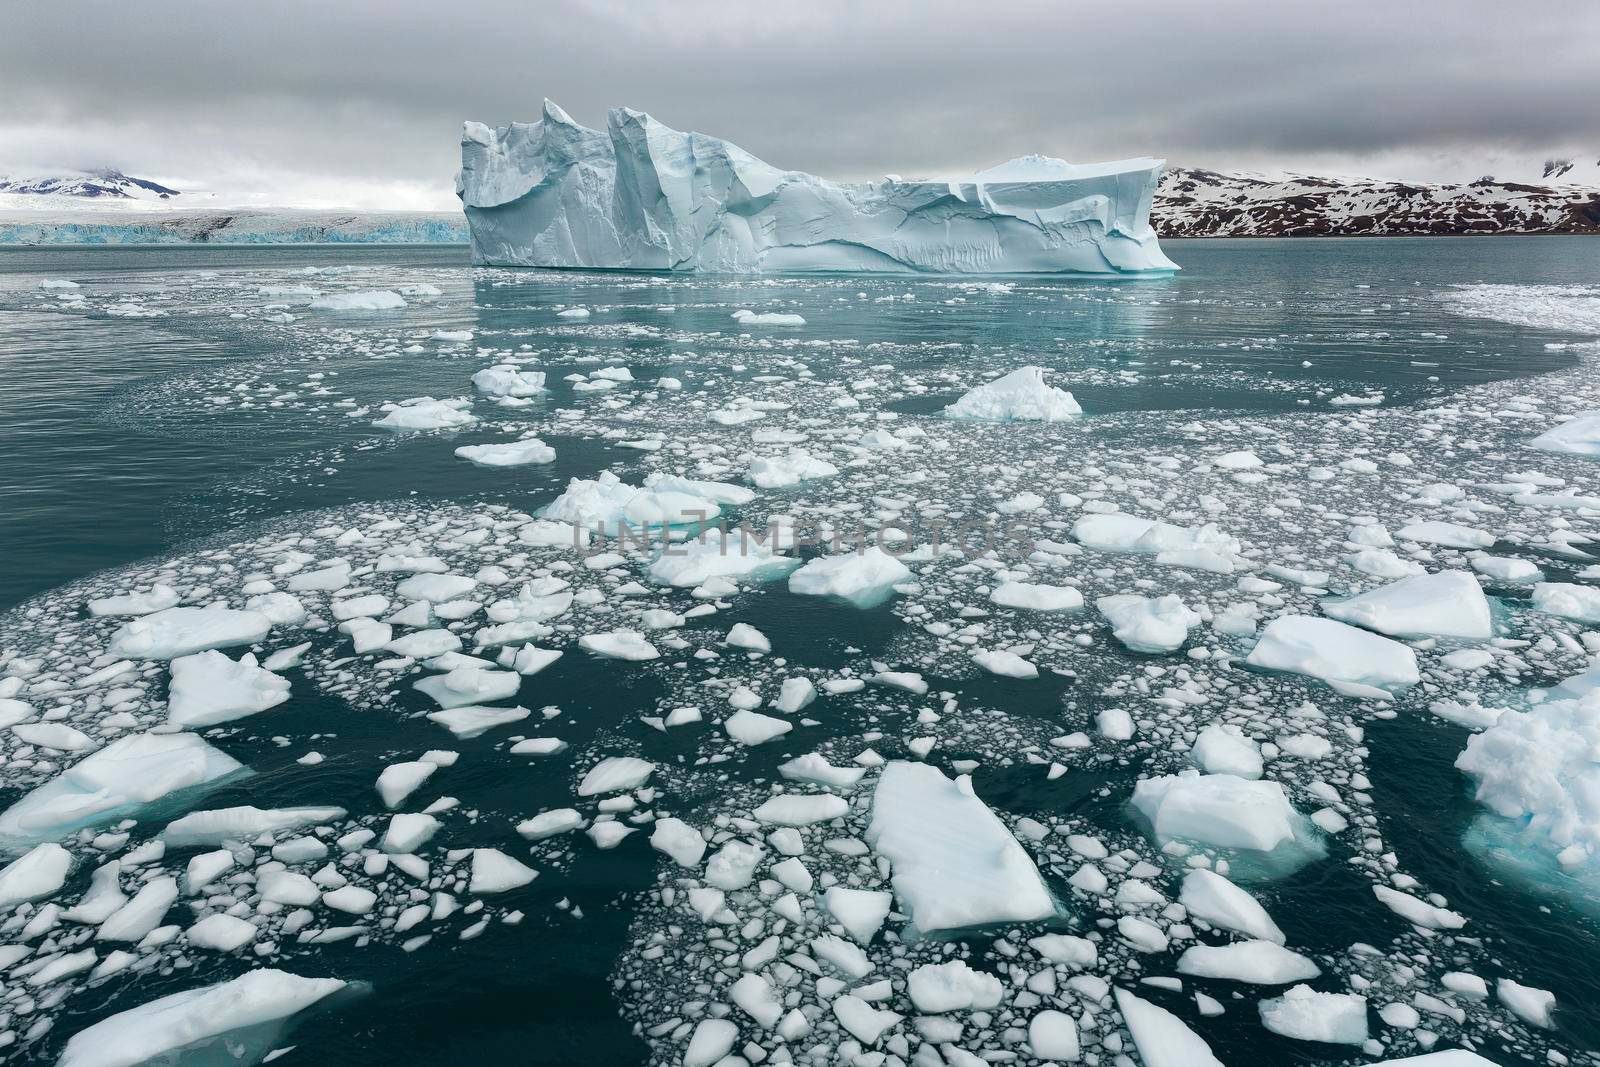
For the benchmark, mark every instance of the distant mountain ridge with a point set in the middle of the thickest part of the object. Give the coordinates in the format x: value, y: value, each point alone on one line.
x: 1560, y: 196
x: 105, y: 184
x: 1191, y: 202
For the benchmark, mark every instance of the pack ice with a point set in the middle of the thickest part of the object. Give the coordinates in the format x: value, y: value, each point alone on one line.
x: 639, y: 195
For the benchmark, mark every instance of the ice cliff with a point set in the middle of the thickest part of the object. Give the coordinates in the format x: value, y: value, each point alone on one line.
x: 641, y: 196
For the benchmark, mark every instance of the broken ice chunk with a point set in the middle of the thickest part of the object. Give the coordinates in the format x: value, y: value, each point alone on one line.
x: 175, y: 632
x: 615, y: 774
x: 1305, y: 1014
x: 1209, y: 896
x: 1147, y: 624
x: 1353, y: 661
x: 243, y: 823
x: 940, y: 987
x: 208, y: 688
x: 1216, y: 809
x: 116, y: 781
x: 1023, y: 396
x: 1445, y: 604
x: 864, y: 578
x: 1161, y: 1037
x: 955, y: 864
x: 34, y: 875
x: 196, y: 1017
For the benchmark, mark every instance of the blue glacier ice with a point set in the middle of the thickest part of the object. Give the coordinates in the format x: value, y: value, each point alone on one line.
x: 641, y: 196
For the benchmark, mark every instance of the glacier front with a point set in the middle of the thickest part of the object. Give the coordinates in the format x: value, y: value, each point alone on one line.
x: 642, y: 196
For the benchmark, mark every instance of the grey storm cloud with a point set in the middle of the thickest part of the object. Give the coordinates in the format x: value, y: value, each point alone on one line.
x: 375, y: 91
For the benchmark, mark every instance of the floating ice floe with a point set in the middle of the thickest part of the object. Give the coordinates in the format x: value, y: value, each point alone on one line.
x: 175, y: 632
x: 607, y: 501
x: 159, y: 598
x: 1222, y: 749
x: 1162, y: 1039
x: 864, y: 577
x: 1535, y: 768
x: 746, y: 317
x: 122, y: 779
x: 792, y: 468
x: 1033, y: 597
x: 1021, y: 396
x: 243, y: 823
x: 1146, y: 624
x: 36, y: 874
x: 508, y: 379
x: 1305, y: 1014
x: 1204, y: 547
x: 1353, y: 661
x: 1255, y: 962
x: 1578, y: 437
x: 717, y: 553
x: 1004, y: 663
x: 1568, y: 600
x: 1446, y: 534
x: 1211, y: 897
x: 508, y: 453
x: 426, y: 413
x: 1217, y: 809
x: 1443, y: 604
x: 369, y: 300
x: 208, y: 688
x: 955, y: 864
x: 195, y: 1018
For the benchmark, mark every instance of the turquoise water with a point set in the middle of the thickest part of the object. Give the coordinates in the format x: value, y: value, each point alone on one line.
x: 172, y: 418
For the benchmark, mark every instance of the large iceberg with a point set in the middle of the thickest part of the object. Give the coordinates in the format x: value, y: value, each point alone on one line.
x: 641, y: 196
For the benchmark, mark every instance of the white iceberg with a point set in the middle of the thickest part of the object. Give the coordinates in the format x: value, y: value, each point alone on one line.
x: 1161, y: 1037
x: 175, y: 632
x: 368, y: 300
x: 242, y: 823
x: 641, y: 196
x: 508, y: 454
x: 1031, y: 597
x: 780, y: 472
x: 864, y: 578
x: 179, y: 1020
x: 118, y: 780
x: 1117, y: 532
x: 1576, y: 437
x: 1255, y: 962
x: 1537, y: 769
x: 718, y: 553
x: 663, y: 501
x: 508, y: 379
x: 1580, y: 603
x: 208, y: 688
x: 1148, y: 624
x: 1354, y: 662
x: 35, y: 874
x: 426, y: 413
x: 1217, y: 809
x: 1021, y: 396
x: 955, y: 863
x: 1445, y: 604
x: 1209, y: 896
x: 1308, y: 1015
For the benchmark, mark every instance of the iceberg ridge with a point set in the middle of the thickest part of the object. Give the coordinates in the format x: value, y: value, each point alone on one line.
x: 641, y: 196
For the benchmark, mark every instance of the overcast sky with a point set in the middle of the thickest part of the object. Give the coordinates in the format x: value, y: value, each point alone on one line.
x: 360, y: 102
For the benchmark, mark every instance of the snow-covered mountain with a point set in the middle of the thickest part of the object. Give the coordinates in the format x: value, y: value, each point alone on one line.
x: 1208, y: 203
x: 106, y: 184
